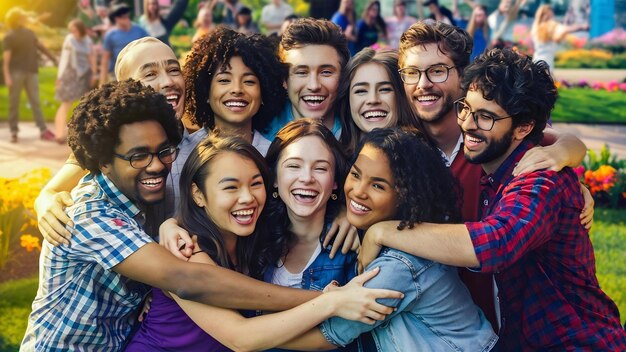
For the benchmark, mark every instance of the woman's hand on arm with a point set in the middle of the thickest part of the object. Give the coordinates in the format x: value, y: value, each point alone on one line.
x: 344, y: 234
x: 176, y: 239
x: 564, y: 149
x: 586, y: 216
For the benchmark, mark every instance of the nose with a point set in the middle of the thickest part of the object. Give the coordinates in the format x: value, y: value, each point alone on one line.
x: 306, y: 175
x: 358, y: 189
x: 313, y: 83
x: 155, y: 166
x: 469, y: 124
x: 164, y: 81
x: 236, y: 88
x: 424, y: 82
x: 245, y: 196
x: 373, y: 97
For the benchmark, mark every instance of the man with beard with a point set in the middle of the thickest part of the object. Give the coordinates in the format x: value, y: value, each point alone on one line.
x: 530, y: 235
x: 432, y: 59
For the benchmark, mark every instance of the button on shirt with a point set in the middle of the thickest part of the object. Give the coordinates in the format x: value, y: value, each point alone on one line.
x: 531, y: 237
x: 81, y: 303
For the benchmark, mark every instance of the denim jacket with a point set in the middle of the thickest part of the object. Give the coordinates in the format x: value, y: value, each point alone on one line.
x: 436, y: 314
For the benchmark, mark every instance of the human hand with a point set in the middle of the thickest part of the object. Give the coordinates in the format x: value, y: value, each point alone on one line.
x: 538, y: 158
x: 586, y: 215
x: 370, y: 246
x: 175, y: 239
x: 355, y: 302
x: 345, y: 235
x: 146, y: 308
x: 52, y: 219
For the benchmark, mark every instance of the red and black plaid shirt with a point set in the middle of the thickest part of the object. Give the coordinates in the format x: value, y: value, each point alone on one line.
x: 531, y: 237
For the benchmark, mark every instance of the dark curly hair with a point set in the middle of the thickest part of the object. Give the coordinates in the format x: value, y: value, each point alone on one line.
x: 525, y: 90
x: 195, y: 220
x: 95, y: 124
x: 213, y: 52
x: 280, y: 238
x: 452, y: 41
x: 427, y: 191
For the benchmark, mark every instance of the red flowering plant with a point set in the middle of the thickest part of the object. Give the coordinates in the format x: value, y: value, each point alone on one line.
x: 605, y: 176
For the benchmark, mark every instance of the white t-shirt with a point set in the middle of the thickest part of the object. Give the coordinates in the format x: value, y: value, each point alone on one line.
x: 275, y: 15
x: 284, y: 278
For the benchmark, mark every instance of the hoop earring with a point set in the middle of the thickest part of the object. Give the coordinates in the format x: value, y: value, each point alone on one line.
x: 333, y: 196
x: 275, y: 195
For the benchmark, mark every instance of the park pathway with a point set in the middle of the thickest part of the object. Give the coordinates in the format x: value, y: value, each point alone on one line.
x: 31, y: 152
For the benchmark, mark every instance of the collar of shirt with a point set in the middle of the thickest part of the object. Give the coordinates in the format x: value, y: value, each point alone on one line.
x: 454, y: 153
x: 505, y: 171
x: 118, y: 198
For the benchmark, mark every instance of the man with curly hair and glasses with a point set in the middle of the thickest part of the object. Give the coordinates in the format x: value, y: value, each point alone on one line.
x: 530, y: 236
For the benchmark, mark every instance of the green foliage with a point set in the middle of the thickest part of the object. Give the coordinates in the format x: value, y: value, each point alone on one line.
x: 583, y: 105
x: 47, y: 77
x: 11, y: 222
x: 15, y: 306
x: 593, y: 161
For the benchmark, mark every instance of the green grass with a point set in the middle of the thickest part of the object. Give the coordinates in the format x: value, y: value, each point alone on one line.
x: 47, y: 77
x: 585, y: 105
x: 15, y: 305
x: 608, y: 236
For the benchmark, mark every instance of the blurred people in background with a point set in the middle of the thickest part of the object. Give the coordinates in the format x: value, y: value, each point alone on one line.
x: 159, y: 26
x: 546, y: 33
x: 123, y: 32
x: 501, y: 23
x: 288, y: 20
x: 20, y: 69
x: 439, y: 12
x: 323, y: 8
x: 204, y: 20
x: 273, y: 15
x: 398, y: 23
x: 478, y: 29
x: 244, y: 21
x: 371, y: 28
x: 77, y: 73
x: 231, y: 8
x: 345, y: 18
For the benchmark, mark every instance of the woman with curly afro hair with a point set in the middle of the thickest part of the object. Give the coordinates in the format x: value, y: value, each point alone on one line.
x: 245, y: 84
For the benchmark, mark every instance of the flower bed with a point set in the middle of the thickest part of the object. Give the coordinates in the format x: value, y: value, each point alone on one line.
x: 605, y: 176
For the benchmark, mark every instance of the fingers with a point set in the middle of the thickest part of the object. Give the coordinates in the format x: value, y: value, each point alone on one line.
x: 366, y: 276
x: 49, y: 235
x: 340, y: 238
x: 330, y: 235
x: 53, y: 230
x: 66, y: 198
x: 352, y: 241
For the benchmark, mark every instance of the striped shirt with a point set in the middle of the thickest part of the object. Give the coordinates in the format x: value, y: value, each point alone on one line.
x: 81, y: 303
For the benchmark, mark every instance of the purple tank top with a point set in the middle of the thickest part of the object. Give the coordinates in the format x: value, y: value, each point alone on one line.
x: 168, y: 328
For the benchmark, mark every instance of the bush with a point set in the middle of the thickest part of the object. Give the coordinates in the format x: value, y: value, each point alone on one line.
x: 582, y: 58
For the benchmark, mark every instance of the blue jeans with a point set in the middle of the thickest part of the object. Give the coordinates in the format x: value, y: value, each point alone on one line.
x: 30, y: 82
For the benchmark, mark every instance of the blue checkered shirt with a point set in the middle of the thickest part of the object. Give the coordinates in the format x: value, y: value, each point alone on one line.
x: 81, y: 303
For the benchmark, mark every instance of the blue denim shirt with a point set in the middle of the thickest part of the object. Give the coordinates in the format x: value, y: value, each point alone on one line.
x: 436, y: 314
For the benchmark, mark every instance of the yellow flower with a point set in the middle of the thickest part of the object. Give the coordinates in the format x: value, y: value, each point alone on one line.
x: 29, y: 242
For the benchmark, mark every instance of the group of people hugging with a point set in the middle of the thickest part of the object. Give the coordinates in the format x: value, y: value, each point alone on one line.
x: 262, y: 171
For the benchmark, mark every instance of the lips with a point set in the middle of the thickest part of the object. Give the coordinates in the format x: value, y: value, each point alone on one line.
x: 314, y: 102
x: 173, y: 98
x: 236, y: 105
x: 375, y: 115
x: 358, y: 208
x: 153, y: 184
x: 305, y: 195
x: 471, y: 141
x: 244, y: 216
x: 427, y: 99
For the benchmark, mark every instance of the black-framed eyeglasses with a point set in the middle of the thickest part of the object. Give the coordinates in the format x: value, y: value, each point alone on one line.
x: 484, y: 120
x: 435, y: 74
x: 144, y: 159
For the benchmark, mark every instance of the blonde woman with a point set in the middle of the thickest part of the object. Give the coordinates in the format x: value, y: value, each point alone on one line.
x: 546, y: 33
x: 76, y: 75
x: 478, y: 29
x: 159, y: 26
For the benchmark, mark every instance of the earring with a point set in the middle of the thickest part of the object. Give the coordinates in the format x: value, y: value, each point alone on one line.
x: 333, y: 196
x: 275, y: 195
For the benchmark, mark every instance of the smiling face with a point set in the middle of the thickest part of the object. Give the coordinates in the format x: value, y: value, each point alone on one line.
x: 432, y: 101
x: 314, y: 72
x: 372, y: 98
x: 154, y: 64
x: 142, y: 186
x: 489, y: 148
x: 235, y: 94
x: 371, y: 196
x: 234, y: 194
x: 305, y: 177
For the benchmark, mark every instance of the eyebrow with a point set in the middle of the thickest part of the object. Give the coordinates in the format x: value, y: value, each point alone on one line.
x: 357, y: 84
x: 375, y: 179
x: 296, y: 67
x: 300, y: 159
x: 151, y: 65
x: 429, y: 66
x: 143, y: 148
x: 234, y: 179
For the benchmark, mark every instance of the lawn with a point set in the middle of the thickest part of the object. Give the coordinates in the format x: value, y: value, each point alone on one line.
x: 580, y: 105
x: 608, y: 235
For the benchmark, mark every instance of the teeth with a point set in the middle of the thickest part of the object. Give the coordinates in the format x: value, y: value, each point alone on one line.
x: 359, y: 206
x: 306, y: 193
x: 152, y: 181
x: 235, y: 104
x: 374, y: 114
x: 427, y: 98
x: 173, y: 97
x: 474, y: 139
x: 315, y: 99
x: 243, y: 212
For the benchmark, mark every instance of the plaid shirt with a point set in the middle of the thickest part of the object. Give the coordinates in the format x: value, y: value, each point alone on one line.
x: 81, y: 303
x: 531, y: 237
